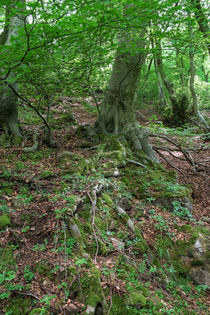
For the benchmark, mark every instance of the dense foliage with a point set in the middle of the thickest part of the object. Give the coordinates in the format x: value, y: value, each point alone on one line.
x: 104, y: 157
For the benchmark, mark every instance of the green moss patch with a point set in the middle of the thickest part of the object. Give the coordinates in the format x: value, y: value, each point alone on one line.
x: 18, y: 306
x: 39, y: 311
x: 136, y: 299
x: 4, y: 221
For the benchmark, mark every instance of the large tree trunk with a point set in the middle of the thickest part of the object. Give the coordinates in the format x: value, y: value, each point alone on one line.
x: 8, y: 99
x: 117, y: 115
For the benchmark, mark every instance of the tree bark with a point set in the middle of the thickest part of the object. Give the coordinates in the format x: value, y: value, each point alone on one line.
x: 117, y: 115
x: 168, y: 85
x: 8, y: 99
x: 179, y: 105
x: 196, y: 111
x: 180, y: 68
x: 161, y: 94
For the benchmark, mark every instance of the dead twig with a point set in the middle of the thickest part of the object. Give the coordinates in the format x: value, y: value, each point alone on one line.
x: 28, y: 294
x: 187, y: 155
x: 164, y: 158
x: 169, y: 151
x: 110, y: 292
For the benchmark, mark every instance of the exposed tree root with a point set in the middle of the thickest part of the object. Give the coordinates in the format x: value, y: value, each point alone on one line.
x: 122, y: 213
x: 35, y: 145
x: 136, y: 163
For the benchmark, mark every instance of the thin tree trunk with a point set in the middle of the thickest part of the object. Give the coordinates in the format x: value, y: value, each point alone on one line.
x: 196, y: 111
x: 161, y: 94
x: 202, y: 21
x: 179, y: 104
x: 168, y: 85
x: 180, y: 68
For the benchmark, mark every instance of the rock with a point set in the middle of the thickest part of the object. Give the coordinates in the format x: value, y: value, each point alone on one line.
x: 72, y: 309
x: 90, y: 310
x: 200, y: 276
x: 201, y: 246
x: 4, y: 221
x: 186, y: 203
x: 108, y: 200
x: 112, y: 226
x: 167, y: 202
x: 200, y: 262
x: 125, y: 203
x: 118, y: 245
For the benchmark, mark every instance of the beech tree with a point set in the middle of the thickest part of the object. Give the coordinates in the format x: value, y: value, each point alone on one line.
x: 14, y: 21
x: 117, y: 115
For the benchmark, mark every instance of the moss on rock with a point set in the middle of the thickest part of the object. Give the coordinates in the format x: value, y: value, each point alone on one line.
x: 107, y: 199
x: 45, y: 174
x: 185, y: 228
x: 7, y: 261
x: 136, y: 299
x: 4, y: 221
x: 73, y: 163
x: 118, y: 306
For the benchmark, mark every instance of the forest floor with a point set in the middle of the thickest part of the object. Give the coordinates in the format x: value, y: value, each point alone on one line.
x: 31, y: 188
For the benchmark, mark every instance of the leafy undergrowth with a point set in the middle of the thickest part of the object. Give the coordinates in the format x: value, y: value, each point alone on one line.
x: 93, y: 242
